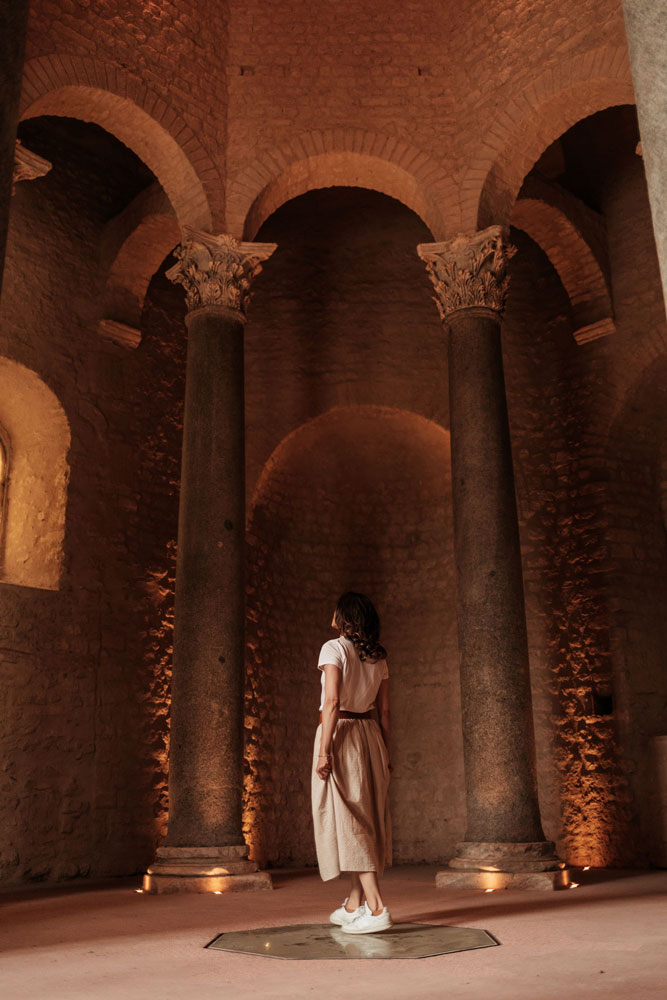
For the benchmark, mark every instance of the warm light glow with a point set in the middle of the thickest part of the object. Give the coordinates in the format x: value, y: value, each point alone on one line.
x: 217, y: 892
x: 587, y: 868
x: 490, y: 881
x: 138, y: 890
x: 573, y: 885
x: 37, y: 431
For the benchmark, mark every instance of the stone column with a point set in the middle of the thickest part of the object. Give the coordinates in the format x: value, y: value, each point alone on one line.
x: 504, y: 842
x: 204, y: 849
x: 13, y: 29
x: 646, y: 29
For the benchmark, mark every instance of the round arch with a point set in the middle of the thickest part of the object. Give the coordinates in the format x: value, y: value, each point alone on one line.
x: 134, y: 245
x: 575, y: 263
x: 37, y: 443
x: 555, y: 101
x: 95, y: 92
x: 347, y: 158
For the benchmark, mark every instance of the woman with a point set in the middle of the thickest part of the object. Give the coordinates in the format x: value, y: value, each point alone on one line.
x: 351, y: 765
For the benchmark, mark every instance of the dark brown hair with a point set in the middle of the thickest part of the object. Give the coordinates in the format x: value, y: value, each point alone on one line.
x: 358, y: 621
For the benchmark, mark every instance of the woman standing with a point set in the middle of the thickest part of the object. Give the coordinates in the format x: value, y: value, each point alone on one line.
x: 351, y: 765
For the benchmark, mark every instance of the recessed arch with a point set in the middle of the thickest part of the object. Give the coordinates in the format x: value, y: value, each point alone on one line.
x: 575, y: 263
x: 37, y: 442
x: 556, y: 100
x: 356, y: 498
x: 93, y: 91
x: 346, y: 158
x: 133, y: 247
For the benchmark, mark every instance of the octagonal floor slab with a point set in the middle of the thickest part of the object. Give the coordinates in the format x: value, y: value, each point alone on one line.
x: 324, y: 941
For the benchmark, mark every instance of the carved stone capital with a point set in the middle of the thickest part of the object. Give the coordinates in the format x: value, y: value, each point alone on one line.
x: 27, y: 165
x: 217, y: 270
x: 469, y: 271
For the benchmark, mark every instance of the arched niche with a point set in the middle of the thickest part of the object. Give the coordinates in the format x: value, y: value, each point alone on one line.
x: 37, y: 439
x: 358, y: 498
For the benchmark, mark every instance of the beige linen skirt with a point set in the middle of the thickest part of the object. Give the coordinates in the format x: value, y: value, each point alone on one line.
x: 350, y: 809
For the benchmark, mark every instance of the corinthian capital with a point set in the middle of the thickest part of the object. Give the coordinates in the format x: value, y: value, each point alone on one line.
x: 27, y: 165
x: 469, y: 271
x: 217, y: 270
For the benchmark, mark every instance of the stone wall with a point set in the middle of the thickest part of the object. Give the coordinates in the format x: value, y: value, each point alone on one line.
x: 236, y: 110
x: 85, y: 666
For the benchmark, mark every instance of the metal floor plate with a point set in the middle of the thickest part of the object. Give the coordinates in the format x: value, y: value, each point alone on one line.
x: 324, y: 941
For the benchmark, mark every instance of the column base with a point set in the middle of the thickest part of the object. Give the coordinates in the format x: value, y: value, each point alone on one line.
x: 504, y: 865
x: 204, y: 869
x: 451, y: 878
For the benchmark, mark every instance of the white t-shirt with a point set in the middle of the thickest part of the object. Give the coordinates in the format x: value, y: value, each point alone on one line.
x: 360, y: 679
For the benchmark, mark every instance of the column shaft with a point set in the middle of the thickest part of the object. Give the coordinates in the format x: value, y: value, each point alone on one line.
x: 495, y: 685
x: 204, y: 850
x: 206, y: 755
x: 13, y: 29
x: 504, y: 842
x: 646, y: 28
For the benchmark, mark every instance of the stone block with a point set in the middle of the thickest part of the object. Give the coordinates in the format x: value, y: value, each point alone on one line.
x: 450, y: 878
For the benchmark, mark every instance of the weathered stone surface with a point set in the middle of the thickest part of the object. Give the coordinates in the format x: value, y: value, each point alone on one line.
x: 159, y: 884
x: 507, y: 857
x: 646, y: 26
x: 13, y: 28
x: 450, y: 879
x: 264, y: 102
x: 230, y: 852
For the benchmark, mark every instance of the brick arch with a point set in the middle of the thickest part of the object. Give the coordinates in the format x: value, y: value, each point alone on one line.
x: 349, y: 158
x: 555, y: 101
x: 96, y: 92
x: 574, y: 261
x: 134, y: 245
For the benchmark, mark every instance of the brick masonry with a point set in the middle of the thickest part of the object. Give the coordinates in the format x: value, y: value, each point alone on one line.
x: 234, y: 113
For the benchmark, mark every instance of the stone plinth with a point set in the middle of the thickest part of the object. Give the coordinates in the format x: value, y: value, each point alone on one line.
x: 451, y: 878
x: 504, y: 865
x: 204, y: 869
x: 509, y: 856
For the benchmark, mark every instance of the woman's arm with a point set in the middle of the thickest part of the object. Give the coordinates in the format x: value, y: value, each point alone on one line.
x: 384, y: 715
x: 330, y: 717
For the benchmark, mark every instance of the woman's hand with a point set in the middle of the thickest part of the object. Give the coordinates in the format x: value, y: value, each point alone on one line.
x: 323, y: 767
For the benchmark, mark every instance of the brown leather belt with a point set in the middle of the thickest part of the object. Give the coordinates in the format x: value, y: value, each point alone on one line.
x: 353, y: 715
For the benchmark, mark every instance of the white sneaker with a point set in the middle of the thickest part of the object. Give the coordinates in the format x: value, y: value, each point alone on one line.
x: 341, y: 916
x: 366, y: 923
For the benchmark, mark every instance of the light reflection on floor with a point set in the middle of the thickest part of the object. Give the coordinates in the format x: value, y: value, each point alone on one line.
x: 324, y: 941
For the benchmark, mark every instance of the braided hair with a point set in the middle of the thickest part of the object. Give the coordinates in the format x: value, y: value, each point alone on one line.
x: 358, y: 621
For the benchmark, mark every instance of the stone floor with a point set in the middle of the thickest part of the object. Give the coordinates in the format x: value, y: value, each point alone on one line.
x: 93, y: 942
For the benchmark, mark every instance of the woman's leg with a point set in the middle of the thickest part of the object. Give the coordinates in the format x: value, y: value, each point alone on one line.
x: 371, y: 887
x: 356, y: 893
